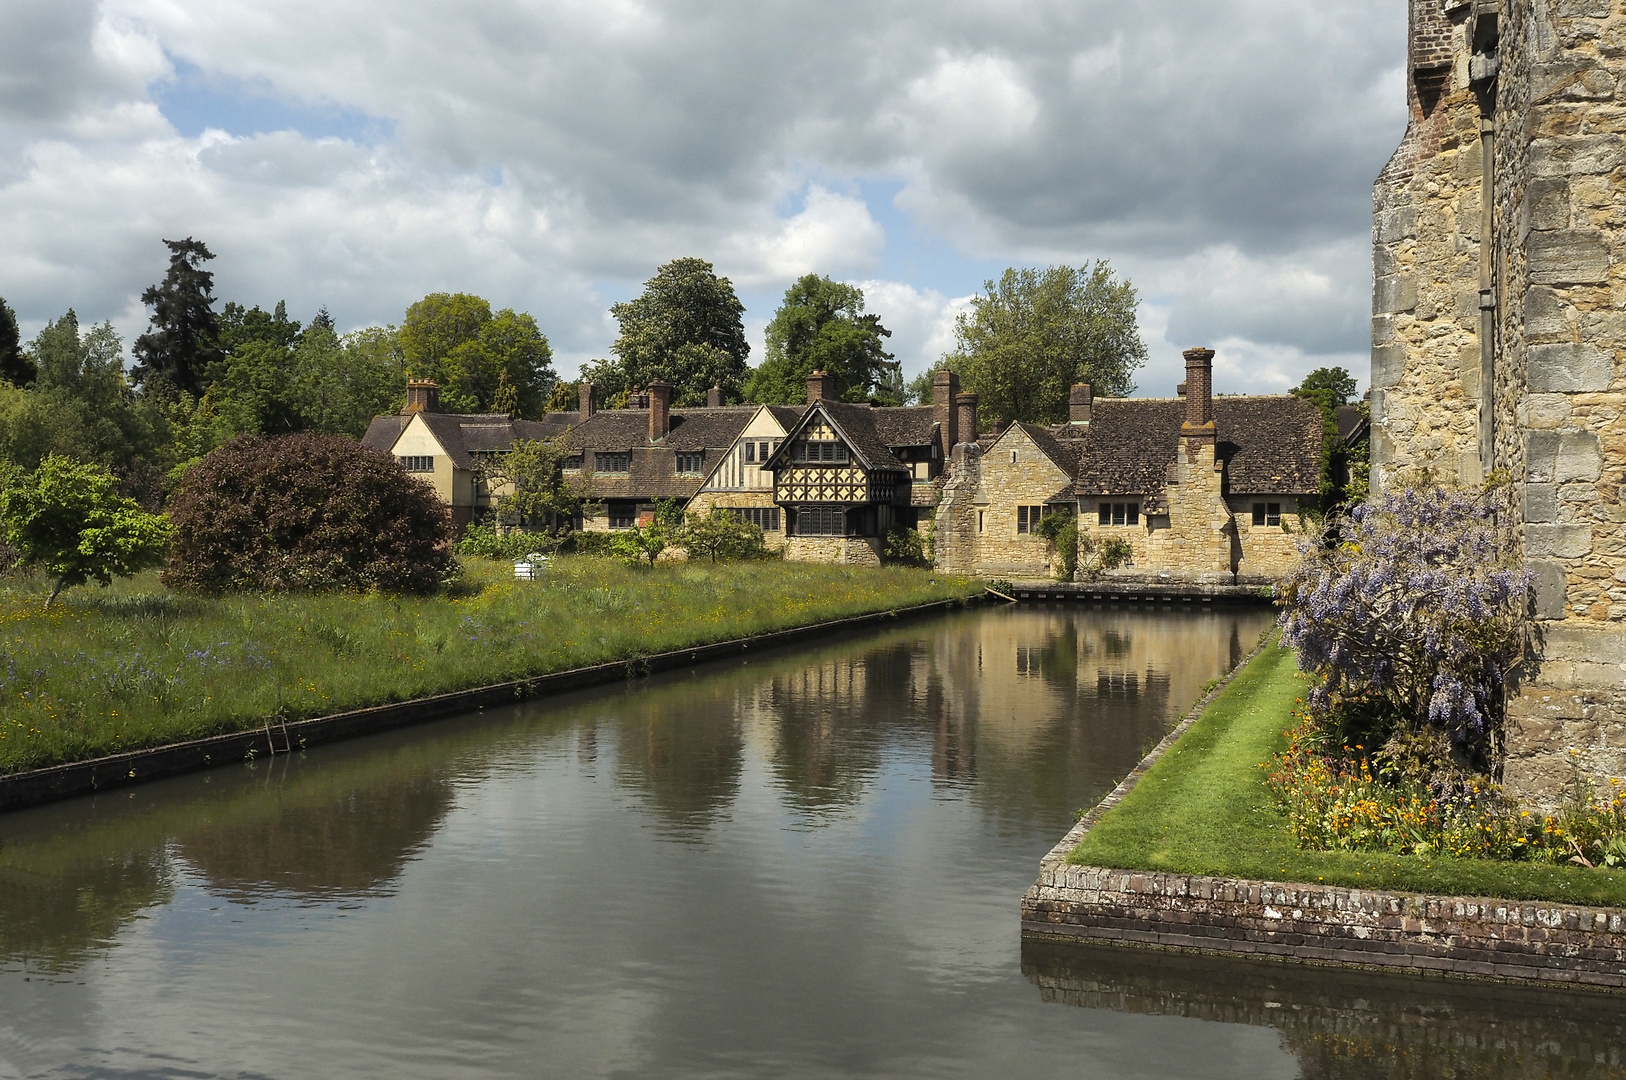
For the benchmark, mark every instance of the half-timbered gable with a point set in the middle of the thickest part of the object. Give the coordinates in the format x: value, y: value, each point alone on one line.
x: 739, y: 480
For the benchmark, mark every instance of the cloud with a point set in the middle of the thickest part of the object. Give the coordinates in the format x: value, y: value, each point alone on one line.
x: 551, y: 153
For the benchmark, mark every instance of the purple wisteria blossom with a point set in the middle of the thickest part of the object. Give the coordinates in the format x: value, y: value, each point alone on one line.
x: 1421, y: 602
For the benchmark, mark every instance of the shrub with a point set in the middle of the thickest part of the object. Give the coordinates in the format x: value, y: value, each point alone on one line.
x: 305, y: 511
x: 483, y: 541
x: 589, y: 543
x: 1062, y: 531
x: 67, y: 518
x: 721, y: 535
x: 1416, y: 612
x: 907, y: 547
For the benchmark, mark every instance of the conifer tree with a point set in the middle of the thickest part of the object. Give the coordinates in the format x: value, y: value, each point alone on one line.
x: 183, y: 339
x: 15, y: 366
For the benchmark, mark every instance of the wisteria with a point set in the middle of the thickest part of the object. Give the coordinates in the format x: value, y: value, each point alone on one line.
x: 1420, y: 603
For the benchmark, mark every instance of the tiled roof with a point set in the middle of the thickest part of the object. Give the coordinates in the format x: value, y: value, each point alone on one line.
x: 1064, y: 452
x: 691, y: 429
x: 909, y: 425
x: 857, y: 423
x: 1270, y: 445
x: 462, y: 435
x: 1351, y: 424
x: 383, y: 431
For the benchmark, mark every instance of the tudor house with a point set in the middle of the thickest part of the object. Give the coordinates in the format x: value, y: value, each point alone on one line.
x: 1202, y: 489
x: 446, y: 450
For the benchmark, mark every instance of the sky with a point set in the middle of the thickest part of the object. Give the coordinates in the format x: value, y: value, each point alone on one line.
x: 550, y: 154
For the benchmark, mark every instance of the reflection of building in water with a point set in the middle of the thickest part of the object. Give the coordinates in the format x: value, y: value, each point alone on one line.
x: 1344, y: 1025
x: 681, y: 750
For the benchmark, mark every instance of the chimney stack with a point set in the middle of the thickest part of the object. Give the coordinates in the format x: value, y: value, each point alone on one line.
x: 714, y: 398
x: 660, y: 409
x: 584, y: 396
x: 820, y: 385
x: 1080, y: 403
x: 1199, y: 395
x: 423, y: 395
x: 945, y: 388
x: 967, y: 420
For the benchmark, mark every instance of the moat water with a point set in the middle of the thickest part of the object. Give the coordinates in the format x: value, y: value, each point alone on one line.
x: 805, y: 865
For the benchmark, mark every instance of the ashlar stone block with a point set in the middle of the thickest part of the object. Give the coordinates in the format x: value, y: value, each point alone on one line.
x: 1547, y: 203
x: 1567, y: 257
x: 1577, y: 154
x: 1553, y: 457
x: 1557, y: 541
x: 1545, y: 315
x: 1388, y: 365
x: 1540, y: 502
x: 1397, y: 292
x: 1567, y: 368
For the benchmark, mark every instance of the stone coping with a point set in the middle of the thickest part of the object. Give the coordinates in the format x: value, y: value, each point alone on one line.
x: 73, y: 779
x: 1471, y: 937
x: 1149, y: 590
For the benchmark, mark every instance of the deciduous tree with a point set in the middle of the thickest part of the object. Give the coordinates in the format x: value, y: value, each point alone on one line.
x: 456, y: 339
x: 1034, y: 333
x: 686, y: 327
x: 67, y: 518
x: 15, y: 366
x: 540, y: 496
x: 821, y: 325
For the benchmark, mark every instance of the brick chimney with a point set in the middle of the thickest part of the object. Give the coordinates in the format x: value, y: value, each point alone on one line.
x: 820, y: 385
x: 1199, y: 395
x: 1080, y: 403
x: 945, y: 388
x: 585, y: 406
x: 967, y: 419
x: 423, y: 395
x: 660, y: 409
x: 714, y: 398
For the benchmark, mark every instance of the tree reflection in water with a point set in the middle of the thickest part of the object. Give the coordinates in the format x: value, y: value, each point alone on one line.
x: 1351, y: 1025
x: 684, y: 762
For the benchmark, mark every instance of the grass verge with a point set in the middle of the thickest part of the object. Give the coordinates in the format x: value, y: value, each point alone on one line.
x: 135, y: 665
x: 1205, y: 808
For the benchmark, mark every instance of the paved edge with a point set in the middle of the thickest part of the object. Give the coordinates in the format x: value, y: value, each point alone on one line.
x: 56, y: 782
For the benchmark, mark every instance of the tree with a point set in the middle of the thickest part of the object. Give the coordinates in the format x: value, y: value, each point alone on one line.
x: 720, y: 534
x: 455, y: 339
x: 686, y: 328
x: 240, y: 325
x: 183, y: 339
x: 821, y: 326
x: 305, y: 511
x: 1328, y: 389
x: 1033, y: 334
x: 15, y: 366
x: 68, y: 518
x: 540, y: 494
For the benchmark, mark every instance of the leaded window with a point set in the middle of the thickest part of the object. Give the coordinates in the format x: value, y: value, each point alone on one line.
x: 623, y: 514
x: 612, y: 462
x: 691, y: 463
x: 765, y: 518
x: 419, y: 463
x: 821, y: 521
x: 1267, y: 513
x: 1118, y: 513
x: 820, y: 450
x: 1027, y: 518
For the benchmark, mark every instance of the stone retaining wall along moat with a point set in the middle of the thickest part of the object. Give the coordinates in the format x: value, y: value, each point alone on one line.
x: 1473, y: 937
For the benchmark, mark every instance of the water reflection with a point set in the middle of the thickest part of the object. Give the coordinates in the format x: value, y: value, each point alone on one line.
x: 685, y: 764
x: 1343, y: 1025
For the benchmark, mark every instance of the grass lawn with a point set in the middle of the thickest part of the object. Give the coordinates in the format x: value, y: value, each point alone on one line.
x: 135, y: 665
x: 1204, y: 808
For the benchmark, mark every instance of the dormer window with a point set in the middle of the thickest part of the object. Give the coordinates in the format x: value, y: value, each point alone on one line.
x: 690, y: 464
x: 612, y: 462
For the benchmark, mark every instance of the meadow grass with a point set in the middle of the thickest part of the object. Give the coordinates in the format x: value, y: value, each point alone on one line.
x: 136, y: 665
x: 1205, y: 808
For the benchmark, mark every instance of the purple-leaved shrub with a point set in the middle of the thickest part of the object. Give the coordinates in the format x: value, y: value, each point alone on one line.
x: 1418, y: 607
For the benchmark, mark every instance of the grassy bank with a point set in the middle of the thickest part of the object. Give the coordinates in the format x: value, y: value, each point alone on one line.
x: 1205, y: 809
x: 135, y: 665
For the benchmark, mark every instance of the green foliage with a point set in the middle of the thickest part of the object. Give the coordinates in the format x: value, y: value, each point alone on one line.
x: 80, y: 405
x: 642, y: 543
x: 821, y: 325
x: 15, y: 367
x: 183, y: 339
x: 564, y: 397
x: 539, y: 494
x: 1033, y: 334
x: 907, y: 547
x: 721, y: 536
x: 1328, y: 389
x: 456, y: 339
x: 1062, y: 531
x: 305, y: 511
x: 686, y: 328
x: 67, y: 518
x: 485, y: 542
x: 240, y: 325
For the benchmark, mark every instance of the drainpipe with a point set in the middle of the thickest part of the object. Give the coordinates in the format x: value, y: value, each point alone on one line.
x: 1483, y: 63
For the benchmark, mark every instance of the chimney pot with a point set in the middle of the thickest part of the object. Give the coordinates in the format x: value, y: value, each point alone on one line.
x: 967, y: 420
x: 584, y: 396
x: 1080, y: 403
x: 945, y: 388
x: 820, y: 385
x: 660, y: 409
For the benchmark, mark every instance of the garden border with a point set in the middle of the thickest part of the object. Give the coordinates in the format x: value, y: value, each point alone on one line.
x: 1419, y: 933
x: 73, y: 779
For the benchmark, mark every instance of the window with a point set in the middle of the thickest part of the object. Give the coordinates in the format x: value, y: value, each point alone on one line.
x: 764, y: 451
x: 979, y: 521
x: 612, y: 463
x: 573, y: 463
x: 1013, y: 457
x: 765, y: 518
x: 821, y: 521
x: 820, y: 450
x: 750, y: 453
x: 1118, y: 513
x: 691, y: 463
x: 1267, y: 513
x: 1027, y: 518
x: 416, y: 463
x: 623, y: 514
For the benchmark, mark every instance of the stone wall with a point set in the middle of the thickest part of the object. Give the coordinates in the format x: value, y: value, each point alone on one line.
x: 1197, y: 543
x: 843, y: 550
x: 1267, y: 552
x: 983, y: 499
x: 702, y: 503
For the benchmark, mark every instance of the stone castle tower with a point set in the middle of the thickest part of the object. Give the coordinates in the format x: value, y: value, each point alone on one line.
x: 1499, y: 330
